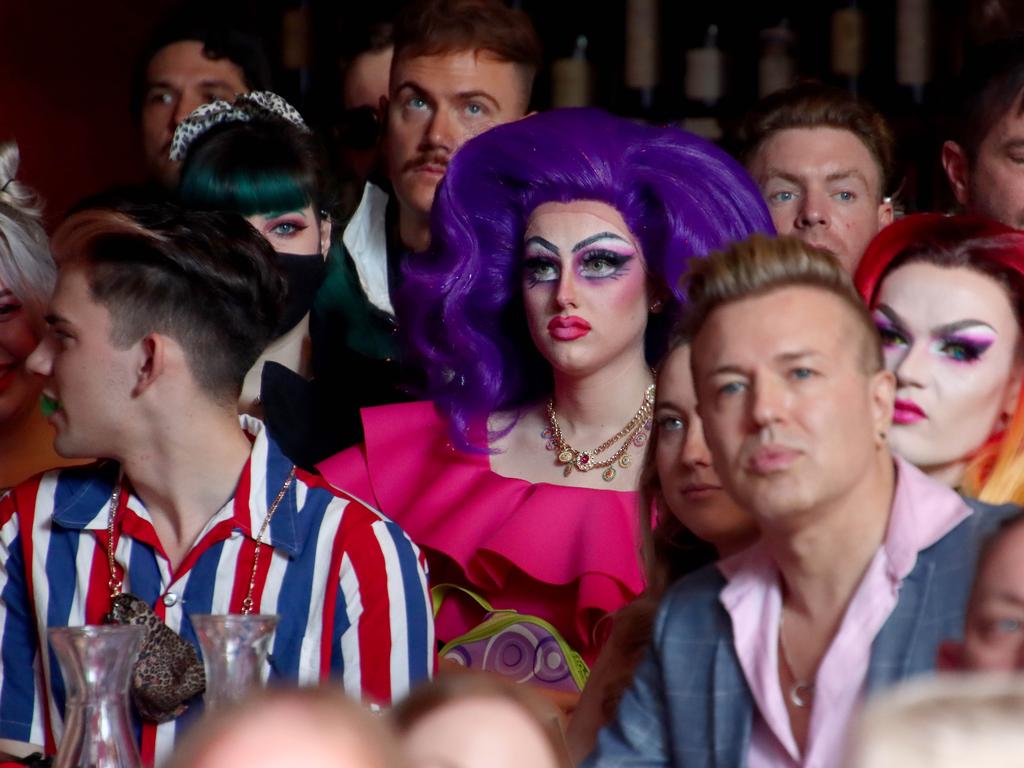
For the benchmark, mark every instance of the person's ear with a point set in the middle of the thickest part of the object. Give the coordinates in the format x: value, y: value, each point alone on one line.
x: 885, y: 212
x: 883, y: 397
x: 950, y: 656
x: 954, y: 161
x: 151, y: 361
x: 325, y: 235
x: 1012, y: 395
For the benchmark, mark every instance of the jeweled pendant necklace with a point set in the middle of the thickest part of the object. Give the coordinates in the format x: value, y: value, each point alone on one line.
x: 634, y: 434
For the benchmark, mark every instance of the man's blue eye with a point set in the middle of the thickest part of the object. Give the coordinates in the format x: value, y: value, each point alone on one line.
x: 731, y: 388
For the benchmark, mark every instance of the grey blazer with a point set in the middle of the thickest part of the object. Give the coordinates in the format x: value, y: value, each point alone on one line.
x: 690, y: 706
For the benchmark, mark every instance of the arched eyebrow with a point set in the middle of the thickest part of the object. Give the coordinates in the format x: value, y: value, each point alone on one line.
x: 599, y: 236
x: 538, y: 240
x: 940, y: 330
x: 580, y: 245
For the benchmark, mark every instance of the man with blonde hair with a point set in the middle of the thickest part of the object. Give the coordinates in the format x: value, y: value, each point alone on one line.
x: 864, y: 563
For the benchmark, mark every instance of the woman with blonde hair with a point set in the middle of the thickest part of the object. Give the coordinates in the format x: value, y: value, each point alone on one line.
x: 27, y: 277
x: 948, y: 721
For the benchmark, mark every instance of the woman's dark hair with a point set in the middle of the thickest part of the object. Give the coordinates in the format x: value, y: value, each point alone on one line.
x: 255, y: 167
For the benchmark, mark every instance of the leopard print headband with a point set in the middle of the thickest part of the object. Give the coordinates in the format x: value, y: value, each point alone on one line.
x: 258, y: 105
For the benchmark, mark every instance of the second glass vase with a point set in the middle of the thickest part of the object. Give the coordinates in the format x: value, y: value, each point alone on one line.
x: 235, y: 648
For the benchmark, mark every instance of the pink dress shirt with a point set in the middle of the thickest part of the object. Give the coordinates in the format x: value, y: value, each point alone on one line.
x: 923, y: 511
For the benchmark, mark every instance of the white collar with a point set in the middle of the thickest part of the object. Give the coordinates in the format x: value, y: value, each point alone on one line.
x: 365, y: 238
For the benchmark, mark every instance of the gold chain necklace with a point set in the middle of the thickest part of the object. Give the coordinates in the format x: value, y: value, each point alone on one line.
x: 634, y: 433
x: 115, y: 584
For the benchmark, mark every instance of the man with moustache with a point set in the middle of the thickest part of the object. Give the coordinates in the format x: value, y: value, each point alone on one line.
x: 459, y: 67
x: 984, y: 159
x: 824, y: 161
x: 864, y: 563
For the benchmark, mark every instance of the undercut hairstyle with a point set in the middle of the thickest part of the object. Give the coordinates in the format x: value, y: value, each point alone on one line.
x: 461, y: 302
x: 470, y: 685
x: 991, y: 85
x: 815, y: 105
x: 256, y: 167
x: 26, y: 266
x: 205, y: 279
x: 221, y: 37
x: 760, y: 265
x: 436, y: 27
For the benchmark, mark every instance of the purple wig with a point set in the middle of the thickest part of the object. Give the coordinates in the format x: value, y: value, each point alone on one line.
x: 461, y: 302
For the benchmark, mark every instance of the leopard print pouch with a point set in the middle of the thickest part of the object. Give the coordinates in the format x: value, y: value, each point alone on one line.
x: 168, y: 671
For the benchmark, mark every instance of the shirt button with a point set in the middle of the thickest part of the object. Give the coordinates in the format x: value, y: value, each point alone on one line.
x: 170, y: 599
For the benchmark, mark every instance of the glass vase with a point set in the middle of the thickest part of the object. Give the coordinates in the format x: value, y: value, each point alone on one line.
x: 235, y: 648
x: 96, y: 663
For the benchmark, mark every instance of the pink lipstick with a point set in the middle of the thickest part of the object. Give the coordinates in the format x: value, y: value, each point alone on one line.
x: 568, y: 328
x: 907, y: 412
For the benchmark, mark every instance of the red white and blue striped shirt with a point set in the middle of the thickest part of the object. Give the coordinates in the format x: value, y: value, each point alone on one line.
x: 349, y: 586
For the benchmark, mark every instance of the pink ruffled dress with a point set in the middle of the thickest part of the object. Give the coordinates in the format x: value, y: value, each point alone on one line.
x: 567, y: 555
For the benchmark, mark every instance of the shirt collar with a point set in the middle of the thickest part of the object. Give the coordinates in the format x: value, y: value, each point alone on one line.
x: 922, y: 512
x: 82, y: 494
x: 365, y: 238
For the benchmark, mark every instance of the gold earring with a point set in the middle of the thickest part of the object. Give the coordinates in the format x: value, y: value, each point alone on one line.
x: 655, y: 306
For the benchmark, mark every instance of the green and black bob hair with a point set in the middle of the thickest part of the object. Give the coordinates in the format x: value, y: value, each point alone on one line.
x: 263, y: 167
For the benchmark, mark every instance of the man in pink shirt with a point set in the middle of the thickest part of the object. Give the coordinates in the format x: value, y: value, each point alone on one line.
x: 864, y: 563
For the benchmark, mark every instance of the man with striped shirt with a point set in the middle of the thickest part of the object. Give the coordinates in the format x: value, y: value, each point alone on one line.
x: 157, y: 315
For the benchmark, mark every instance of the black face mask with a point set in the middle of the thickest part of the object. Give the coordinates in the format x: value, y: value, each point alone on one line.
x: 304, y: 275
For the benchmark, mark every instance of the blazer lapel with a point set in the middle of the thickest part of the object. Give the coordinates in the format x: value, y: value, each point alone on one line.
x: 732, y: 708
x: 901, y: 647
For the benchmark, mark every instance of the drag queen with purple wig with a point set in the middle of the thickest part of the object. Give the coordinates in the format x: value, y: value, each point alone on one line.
x: 536, y: 315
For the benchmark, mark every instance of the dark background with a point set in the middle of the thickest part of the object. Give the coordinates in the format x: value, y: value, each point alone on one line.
x: 65, y: 69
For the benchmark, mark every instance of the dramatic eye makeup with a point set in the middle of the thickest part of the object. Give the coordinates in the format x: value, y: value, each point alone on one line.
x: 963, y: 341
x: 601, y: 256
x: 893, y: 334
x: 965, y: 347
x: 287, y: 225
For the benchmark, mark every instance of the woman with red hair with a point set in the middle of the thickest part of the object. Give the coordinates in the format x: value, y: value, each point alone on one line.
x: 947, y: 294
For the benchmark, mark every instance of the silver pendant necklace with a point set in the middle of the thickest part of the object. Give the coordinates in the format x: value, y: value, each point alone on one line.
x: 801, y: 691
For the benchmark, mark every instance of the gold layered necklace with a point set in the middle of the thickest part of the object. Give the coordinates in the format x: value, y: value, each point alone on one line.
x: 634, y: 434
x: 116, y: 584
